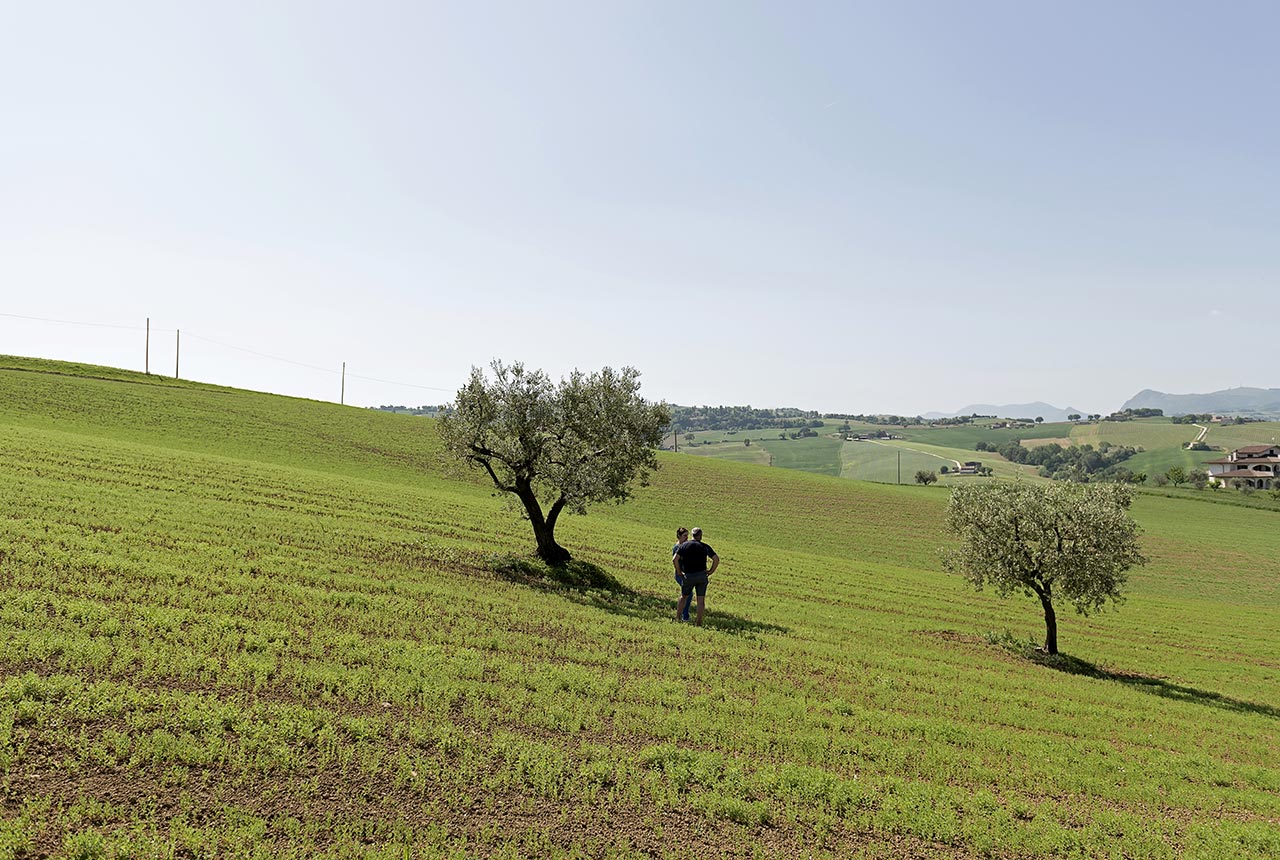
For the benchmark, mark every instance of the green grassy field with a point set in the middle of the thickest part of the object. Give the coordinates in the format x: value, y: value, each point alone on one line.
x: 1150, y: 433
x: 859, y: 460
x: 815, y: 454
x: 734, y: 451
x: 818, y: 454
x: 1238, y: 435
x: 879, y: 461
x: 965, y: 436
x: 238, y: 625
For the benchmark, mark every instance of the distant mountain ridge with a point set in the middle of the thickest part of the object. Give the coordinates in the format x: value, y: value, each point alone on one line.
x: 1230, y: 401
x: 1038, y: 409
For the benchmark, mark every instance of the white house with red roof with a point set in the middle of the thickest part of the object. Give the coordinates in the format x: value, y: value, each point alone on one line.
x: 1256, y: 466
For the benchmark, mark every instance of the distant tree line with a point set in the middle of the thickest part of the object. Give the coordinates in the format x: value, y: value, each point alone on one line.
x: 1130, y: 414
x: 872, y: 434
x: 689, y: 419
x: 414, y: 410
x: 1080, y: 463
x: 898, y: 420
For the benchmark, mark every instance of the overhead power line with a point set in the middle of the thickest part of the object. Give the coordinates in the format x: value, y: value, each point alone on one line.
x: 225, y: 345
x: 261, y: 354
x: 76, y: 322
x: 407, y: 384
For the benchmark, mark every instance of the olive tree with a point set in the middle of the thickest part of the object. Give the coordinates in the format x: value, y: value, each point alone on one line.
x: 556, y: 447
x: 1070, y: 541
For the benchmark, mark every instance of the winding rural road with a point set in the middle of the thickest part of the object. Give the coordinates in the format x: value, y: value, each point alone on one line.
x: 916, y: 450
x: 1200, y: 438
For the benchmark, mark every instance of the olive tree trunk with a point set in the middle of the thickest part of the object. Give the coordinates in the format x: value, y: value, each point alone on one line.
x: 544, y: 525
x: 1050, y: 622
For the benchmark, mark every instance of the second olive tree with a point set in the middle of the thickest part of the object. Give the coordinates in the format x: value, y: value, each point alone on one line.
x: 1065, y: 541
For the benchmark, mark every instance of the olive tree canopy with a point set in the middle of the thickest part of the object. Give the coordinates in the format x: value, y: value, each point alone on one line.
x: 556, y: 447
x: 1073, y: 541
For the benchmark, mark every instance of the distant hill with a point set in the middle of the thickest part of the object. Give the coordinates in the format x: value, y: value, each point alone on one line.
x: 1230, y: 401
x: 1013, y: 410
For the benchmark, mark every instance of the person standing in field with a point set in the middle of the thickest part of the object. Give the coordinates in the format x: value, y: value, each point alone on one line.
x: 682, y: 535
x: 690, y: 560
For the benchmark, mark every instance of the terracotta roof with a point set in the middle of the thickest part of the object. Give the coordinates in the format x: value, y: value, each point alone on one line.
x: 1244, y: 473
x: 1254, y: 449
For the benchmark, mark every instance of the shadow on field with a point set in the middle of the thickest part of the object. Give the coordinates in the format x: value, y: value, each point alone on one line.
x: 590, y: 585
x: 1155, y: 686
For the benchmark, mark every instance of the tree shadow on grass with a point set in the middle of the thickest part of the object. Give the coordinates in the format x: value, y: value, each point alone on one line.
x: 588, y: 584
x: 1155, y: 686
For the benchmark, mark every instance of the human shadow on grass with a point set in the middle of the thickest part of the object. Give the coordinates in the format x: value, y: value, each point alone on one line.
x: 1155, y: 686
x: 588, y: 584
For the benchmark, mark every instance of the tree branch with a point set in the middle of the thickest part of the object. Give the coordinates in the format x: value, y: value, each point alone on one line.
x: 484, y: 461
x: 554, y: 512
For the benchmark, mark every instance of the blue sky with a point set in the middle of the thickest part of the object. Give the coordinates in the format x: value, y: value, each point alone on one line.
x: 892, y: 207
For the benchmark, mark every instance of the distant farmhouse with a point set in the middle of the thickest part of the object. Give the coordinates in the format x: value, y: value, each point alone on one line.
x: 1256, y: 466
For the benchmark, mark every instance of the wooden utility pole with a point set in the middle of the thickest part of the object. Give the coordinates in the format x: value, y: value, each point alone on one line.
x: 899, y: 466
x: 177, y: 351
x: 146, y: 361
x: 342, y: 393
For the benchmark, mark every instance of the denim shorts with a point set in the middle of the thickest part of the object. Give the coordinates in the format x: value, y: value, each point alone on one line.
x: 694, y: 582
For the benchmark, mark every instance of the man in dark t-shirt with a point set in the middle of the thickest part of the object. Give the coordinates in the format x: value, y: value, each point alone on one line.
x: 690, y: 560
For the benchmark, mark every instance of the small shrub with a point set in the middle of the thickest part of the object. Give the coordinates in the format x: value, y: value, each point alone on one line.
x: 1007, y: 641
x: 86, y: 845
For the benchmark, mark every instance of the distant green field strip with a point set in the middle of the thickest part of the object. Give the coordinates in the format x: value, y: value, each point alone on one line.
x: 735, y: 451
x: 1150, y: 433
x: 1160, y: 460
x: 1239, y: 435
x: 819, y: 454
x: 876, y: 461
x: 865, y: 465
x: 968, y: 435
x: 705, y: 437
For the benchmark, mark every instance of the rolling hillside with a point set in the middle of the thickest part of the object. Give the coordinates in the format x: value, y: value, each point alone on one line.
x: 245, y: 625
x: 1261, y: 401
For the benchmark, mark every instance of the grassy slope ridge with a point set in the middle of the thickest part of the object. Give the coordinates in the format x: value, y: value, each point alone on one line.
x: 249, y: 625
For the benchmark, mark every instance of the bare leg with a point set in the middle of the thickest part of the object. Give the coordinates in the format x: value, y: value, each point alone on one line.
x: 680, y: 605
x: 702, y: 605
